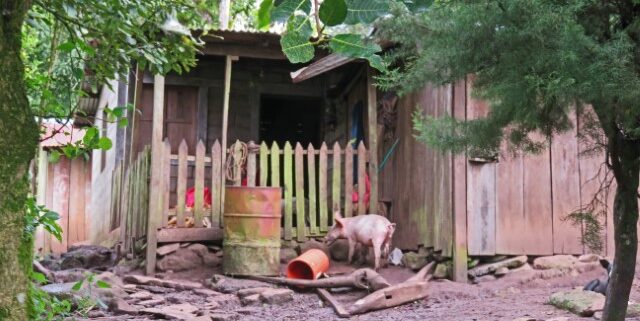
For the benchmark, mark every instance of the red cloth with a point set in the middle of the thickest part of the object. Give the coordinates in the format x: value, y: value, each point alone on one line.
x: 190, y: 197
x: 367, y: 193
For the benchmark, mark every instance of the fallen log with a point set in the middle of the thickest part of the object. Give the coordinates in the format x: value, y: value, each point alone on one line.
x: 329, y: 298
x: 367, y: 279
x: 392, y: 296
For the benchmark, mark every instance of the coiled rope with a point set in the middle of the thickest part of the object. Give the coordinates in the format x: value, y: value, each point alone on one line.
x: 235, y: 162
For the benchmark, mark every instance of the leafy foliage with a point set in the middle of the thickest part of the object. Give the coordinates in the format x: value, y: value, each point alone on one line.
x: 46, y: 307
x: 365, y: 11
x: 333, y: 12
x: 38, y: 215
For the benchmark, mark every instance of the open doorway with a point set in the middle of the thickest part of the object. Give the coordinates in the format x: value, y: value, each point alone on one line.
x: 290, y: 118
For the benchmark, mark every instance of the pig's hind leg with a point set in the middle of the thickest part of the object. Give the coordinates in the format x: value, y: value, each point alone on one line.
x: 352, y: 248
x: 377, y: 249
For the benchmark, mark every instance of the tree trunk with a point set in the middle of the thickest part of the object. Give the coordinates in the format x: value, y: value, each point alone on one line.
x: 625, y: 158
x: 18, y: 138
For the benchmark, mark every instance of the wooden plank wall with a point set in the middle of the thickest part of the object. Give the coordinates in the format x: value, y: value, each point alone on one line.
x: 67, y: 192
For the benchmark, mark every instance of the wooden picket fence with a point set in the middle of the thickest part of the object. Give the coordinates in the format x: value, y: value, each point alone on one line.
x: 315, y: 175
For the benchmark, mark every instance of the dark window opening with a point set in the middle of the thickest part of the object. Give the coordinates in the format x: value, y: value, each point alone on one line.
x: 292, y: 119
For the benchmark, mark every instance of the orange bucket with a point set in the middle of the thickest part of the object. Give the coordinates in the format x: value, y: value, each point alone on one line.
x: 308, y: 266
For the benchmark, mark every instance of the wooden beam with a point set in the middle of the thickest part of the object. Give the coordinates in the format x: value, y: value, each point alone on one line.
x: 155, y: 188
x: 320, y: 66
x: 225, y: 125
x: 222, y: 49
x: 372, y: 114
x: 193, y: 234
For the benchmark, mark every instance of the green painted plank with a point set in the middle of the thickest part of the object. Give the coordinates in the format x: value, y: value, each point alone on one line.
x: 322, y: 188
x: 264, y: 164
x: 311, y: 176
x: 299, y: 181
x: 348, y: 180
x: 335, y: 183
x: 288, y: 191
x: 275, y: 165
x: 251, y: 165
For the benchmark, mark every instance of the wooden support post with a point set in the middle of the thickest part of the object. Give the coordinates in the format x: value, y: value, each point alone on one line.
x: 373, y: 140
x: 155, y: 188
x: 459, y: 192
x: 225, y: 125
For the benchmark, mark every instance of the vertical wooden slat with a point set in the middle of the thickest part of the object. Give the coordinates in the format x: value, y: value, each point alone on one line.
x: 237, y: 154
x: 311, y: 176
x: 300, y: 210
x: 155, y: 204
x: 335, y: 183
x: 446, y: 201
x: 481, y: 208
x: 362, y: 187
x: 124, y: 208
x: 41, y: 195
x: 275, y: 165
x: 61, y: 202
x: 372, y: 115
x: 264, y: 163
x: 183, y: 149
x: 459, y: 180
x: 216, y: 185
x: 199, y: 209
x: 76, y: 200
x: 288, y: 191
x: 509, y: 208
x: 166, y: 169
x: 348, y: 180
x: 322, y: 188
x: 537, y: 203
x: 251, y: 165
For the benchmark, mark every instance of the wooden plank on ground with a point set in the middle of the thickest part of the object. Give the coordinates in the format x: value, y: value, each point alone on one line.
x: 565, y: 189
x: 481, y: 208
x: 251, y: 165
x: 264, y: 164
x: 335, y: 183
x: 348, y: 180
x: 510, y: 224
x: 299, y: 185
x: 362, y: 186
x: 198, y: 208
x: 322, y: 188
x: 288, y: 191
x: 194, y: 234
x: 166, y: 169
x: 216, y: 185
x: 459, y: 181
x: 537, y: 203
x: 182, y: 182
x: 311, y: 176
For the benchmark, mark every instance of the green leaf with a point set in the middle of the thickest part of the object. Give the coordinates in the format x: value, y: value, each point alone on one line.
x: 51, y: 215
x: 377, y: 62
x: 102, y: 284
x: 300, y: 25
x: 297, y: 48
x: 67, y: 46
x: 54, y: 156
x: 352, y: 45
x: 288, y: 7
x: 104, y: 143
x: 89, y: 135
x: 123, y: 122
x: 333, y: 12
x: 365, y: 11
x: 39, y: 277
x: 77, y: 286
x: 119, y: 111
x: 264, y: 14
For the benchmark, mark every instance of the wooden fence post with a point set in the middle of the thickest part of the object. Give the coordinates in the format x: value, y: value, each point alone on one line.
x: 335, y: 184
x: 182, y: 182
x: 198, y: 207
x: 311, y: 174
x: 216, y: 185
x: 288, y: 191
x: 300, y: 210
x: 348, y: 180
x: 264, y: 164
x: 322, y: 187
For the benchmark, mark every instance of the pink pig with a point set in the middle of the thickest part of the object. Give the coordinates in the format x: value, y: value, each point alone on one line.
x: 370, y: 230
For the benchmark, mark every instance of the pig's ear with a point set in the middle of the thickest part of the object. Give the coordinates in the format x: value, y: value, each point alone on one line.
x: 339, y: 222
x: 336, y: 213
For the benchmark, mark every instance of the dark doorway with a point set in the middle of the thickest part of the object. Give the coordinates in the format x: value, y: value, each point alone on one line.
x: 292, y: 119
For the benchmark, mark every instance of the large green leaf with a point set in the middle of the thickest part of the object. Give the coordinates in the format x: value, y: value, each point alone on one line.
x: 333, y: 12
x: 365, y: 11
x: 297, y: 47
x: 301, y: 25
x: 353, y: 45
x: 264, y: 14
x: 288, y: 7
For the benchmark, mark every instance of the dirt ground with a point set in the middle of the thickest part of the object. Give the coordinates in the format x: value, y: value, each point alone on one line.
x: 520, y: 294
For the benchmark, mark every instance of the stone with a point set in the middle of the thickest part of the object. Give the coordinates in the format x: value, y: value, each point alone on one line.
x: 71, y: 275
x: 174, y: 284
x: 120, y: 306
x: 501, y: 271
x: 184, y: 259
x: 199, y: 249
x: 167, y: 249
x: 225, y: 299
x: 183, y: 311
x: 152, y: 302
x: 597, y: 315
x: 206, y: 292
x: 339, y: 250
x: 230, y: 285
x: 251, y: 291
x: 415, y: 261
x: 211, y: 259
x: 130, y: 288
x: 276, y: 296
x: 287, y: 254
x: 442, y: 271
x: 174, y: 298
x: 155, y: 289
x: 561, y: 262
x: 183, y: 245
x: 139, y: 296
x: 93, y: 314
x: 250, y: 299
x: 484, y: 278
x: 87, y: 257
x: 211, y: 305
x: 485, y: 269
x: 65, y: 291
x: 110, y: 278
x: 582, y: 303
x: 586, y: 258
x: 214, y: 248
x: 222, y: 316
x: 525, y: 267
x: 313, y: 244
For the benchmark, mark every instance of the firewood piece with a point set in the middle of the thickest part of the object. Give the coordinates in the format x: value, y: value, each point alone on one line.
x: 367, y: 279
x: 422, y: 274
x: 390, y: 297
x: 340, y: 310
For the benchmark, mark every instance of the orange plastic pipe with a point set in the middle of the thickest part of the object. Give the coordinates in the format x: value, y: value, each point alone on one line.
x: 308, y: 266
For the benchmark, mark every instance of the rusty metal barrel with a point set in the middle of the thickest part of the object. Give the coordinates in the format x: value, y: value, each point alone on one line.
x: 252, y: 230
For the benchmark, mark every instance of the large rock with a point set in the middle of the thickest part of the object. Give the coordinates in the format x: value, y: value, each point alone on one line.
x: 586, y: 258
x: 251, y: 291
x: 200, y: 249
x: 180, y: 260
x: 276, y: 296
x: 87, y: 257
x: 443, y: 271
x: 313, y: 244
x: 250, y: 299
x: 65, y: 291
x: 71, y: 275
x: 167, y: 249
x: 582, y: 303
x: 485, y: 269
x: 561, y: 262
x: 415, y: 261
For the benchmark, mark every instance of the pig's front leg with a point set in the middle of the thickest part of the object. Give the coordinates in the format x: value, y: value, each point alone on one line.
x: 377, y: 247
x: 352, y: 248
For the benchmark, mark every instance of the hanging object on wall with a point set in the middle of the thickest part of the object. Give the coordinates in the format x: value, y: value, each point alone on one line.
x: 388, y: 115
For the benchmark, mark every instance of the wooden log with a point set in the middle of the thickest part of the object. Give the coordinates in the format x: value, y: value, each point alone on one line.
x: 166, y: 169
x: 335, y: 183
x: 299, y: 184
x: 365, y: 278
x: 216, y: 185
x: 362, y: 171
x: 251, y: 165
x: 348, y: 180
x: 198, y: 207
x: 288, y: 191
x: 390, y: 297
x: 182, y: 182
x: 322, y: 188
x: 264, y: 163
x: 311, y: 176
x: 326, y: 296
